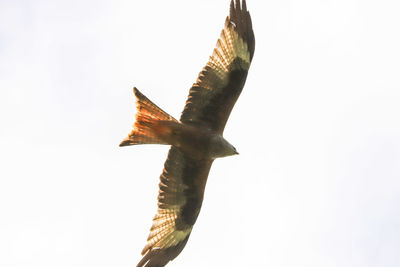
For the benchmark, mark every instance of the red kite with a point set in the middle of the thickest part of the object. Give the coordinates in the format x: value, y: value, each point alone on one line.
x: 196, y: 140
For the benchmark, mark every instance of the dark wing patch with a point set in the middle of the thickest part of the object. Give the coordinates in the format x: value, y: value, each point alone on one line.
x: 179, y: 201
x: 221, y: 81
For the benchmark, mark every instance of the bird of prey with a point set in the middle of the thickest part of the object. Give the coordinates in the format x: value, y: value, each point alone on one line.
x: 196, y: 140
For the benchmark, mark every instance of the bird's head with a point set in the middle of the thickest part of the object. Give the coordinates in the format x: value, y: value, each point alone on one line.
x: 221, y: 148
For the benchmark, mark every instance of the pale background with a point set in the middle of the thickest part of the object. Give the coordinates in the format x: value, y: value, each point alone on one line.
x: 317, y: 182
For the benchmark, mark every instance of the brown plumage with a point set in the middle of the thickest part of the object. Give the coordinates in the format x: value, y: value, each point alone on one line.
x: 196, y: 140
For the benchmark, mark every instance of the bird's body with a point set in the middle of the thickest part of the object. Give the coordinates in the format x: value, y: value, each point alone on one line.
x: 200, y: 143
x: 196, y: 140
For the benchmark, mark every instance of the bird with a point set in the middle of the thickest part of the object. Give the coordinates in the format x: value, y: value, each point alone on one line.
x: 195, y: 140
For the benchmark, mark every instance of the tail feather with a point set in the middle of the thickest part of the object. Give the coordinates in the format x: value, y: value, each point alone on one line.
x: 151, y: 123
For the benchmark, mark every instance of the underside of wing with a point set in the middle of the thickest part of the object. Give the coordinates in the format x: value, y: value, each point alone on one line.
x: 221, y: 81
x: 180, y: 197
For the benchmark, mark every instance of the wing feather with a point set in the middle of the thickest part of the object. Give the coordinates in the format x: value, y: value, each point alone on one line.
x: 180, y: 197
x: 221, y: 81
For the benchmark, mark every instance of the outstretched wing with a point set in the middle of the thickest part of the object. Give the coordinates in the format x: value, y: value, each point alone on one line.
x: 180, y: 197
x: 221, y: 81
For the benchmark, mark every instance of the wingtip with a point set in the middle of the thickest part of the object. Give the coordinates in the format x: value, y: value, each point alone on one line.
x: 237, y: 4
x: 160, y: 257
x: 238, y: 9
x: 232, y: 7
x: 240, y: 17
x: 244, y: 6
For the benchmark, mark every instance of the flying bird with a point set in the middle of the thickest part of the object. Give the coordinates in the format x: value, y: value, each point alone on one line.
x: 196, y: 140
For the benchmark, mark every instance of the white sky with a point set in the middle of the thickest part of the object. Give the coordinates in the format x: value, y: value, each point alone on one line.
x: 317, y: 127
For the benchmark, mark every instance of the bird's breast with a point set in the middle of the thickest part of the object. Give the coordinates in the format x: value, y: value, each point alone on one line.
x: 194, y: 141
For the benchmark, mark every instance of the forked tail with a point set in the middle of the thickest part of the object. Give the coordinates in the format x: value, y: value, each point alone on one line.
x: 151, y: 125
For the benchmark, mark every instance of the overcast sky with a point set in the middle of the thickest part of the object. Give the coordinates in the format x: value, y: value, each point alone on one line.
x: 317, y: 181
